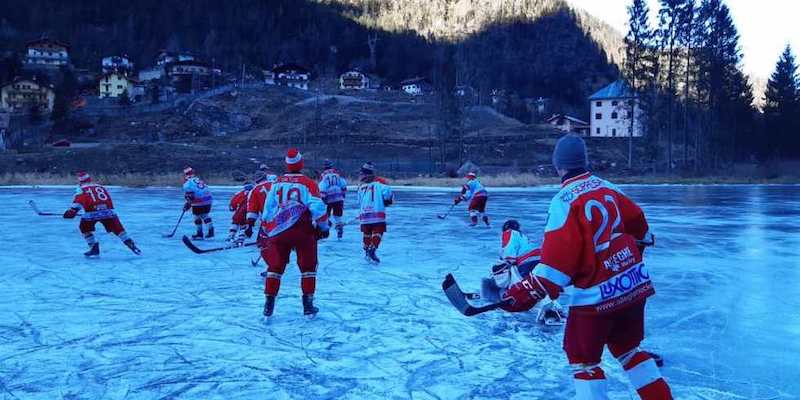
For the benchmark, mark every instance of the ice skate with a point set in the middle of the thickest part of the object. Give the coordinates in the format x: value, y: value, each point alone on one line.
x: 94, y: 251
x: 133, y: 247
x: 308, y: 306
x: 198, y: 235
x: 269, y: 306
x: 210, y: 233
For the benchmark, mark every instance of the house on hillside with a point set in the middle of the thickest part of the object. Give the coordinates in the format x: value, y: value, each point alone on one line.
x: 46, y: 53
x: 416, y: 86
x: 290, y: 75
x: 190, y: 75
x: 165, y: 57
x: 114, y: 84
x: 353, y: 80
x: 611, y: 114
x: 26, y: 93
x: 568, y: 124
x: 117, y: 64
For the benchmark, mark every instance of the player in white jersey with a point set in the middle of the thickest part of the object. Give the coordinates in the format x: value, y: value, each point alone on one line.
x: 519, y: 255
x: 198, y: 198
x: 374, y: 195
x: 294, y: 219
x: 333, y: 189
x: 477, y: 195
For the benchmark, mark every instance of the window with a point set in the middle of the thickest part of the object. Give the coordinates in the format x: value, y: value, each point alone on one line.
x: 614, y: 132
x: 119, y: 86
x: 614, y: 115
x: 599, y: 103
x: 614, y: 103
x: 598, y: 131
x: 628, y: 114
x: 598, y: 116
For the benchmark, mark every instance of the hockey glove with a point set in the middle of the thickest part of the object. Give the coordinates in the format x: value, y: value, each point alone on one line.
x: 323, y: 230
x: 524, y: 295
x: 71, y: 213
x: 187, y: 206
x: 457, y: 200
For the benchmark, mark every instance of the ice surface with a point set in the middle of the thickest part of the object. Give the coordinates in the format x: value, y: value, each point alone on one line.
x: 172, y: 324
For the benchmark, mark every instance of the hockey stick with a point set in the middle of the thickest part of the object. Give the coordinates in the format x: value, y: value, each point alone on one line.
x: 443, y: 216
x: 197, y: 250
x: 256, y: 261
x: 40, y: 212
x: 177, y: 224
x: 459, y: 299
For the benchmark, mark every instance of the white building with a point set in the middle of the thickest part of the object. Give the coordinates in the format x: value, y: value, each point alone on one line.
x: 46, y: 53
x: 416, y: 86
x: 611, y: 112
x: 290, y: 75
x: 117, y: 63
x: 115, y: 84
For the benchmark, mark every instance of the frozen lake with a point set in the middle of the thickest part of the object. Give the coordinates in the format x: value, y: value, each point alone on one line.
x: 172, y: 324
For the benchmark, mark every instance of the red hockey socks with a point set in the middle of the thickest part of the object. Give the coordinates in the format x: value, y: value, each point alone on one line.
x: 376, y: 240
x: 645, y: 376
x: 308, y: 282
x: 273, y: 283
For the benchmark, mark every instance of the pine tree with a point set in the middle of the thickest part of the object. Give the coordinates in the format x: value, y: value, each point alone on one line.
x: 783, y: 105
x: 637, y: 41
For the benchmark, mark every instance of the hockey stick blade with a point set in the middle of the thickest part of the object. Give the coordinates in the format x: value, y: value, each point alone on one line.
x: 40, y: 212
x: 459, y: 299
x: 197, y: 250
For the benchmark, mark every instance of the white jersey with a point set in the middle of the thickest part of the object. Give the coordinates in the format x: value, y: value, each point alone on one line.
x: 518, y: 249
x: 473, y: 188
x: 288, y: 199
x: 373, y: 198
x: 196, y: 192
x: 332, y: 186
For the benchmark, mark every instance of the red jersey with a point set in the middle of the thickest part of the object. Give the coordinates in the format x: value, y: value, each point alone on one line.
x: 256, y: 200
x: 95, y: 201
x: 288, y: 199
x: 238, y: 200
x: 590, y: 243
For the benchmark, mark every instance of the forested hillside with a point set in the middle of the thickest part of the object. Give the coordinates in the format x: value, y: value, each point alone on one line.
x: 530, y: 47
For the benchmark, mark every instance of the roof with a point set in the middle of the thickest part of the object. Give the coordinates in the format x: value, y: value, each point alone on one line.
x: 120, y: 74
x: 289, y: 67
x: 38, y: 79
x: 414, y: 80
x: 567, y: 117
x: 616, y: 90
x: 46, y: 40
x: 190, y: 62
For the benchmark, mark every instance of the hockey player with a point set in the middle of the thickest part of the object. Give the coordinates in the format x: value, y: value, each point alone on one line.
x: 333, y: 189
x: 477, y: 195
x: 374, y: 195
x: 591, y: 242
x: 198, y: 198
x: 238, y: 205
x: 97, y: 207
x: 294, y: 219
x: 257, y: 197
x: 518, y: 258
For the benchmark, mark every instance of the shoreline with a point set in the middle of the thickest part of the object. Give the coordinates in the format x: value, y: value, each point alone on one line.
x: 505, y: 180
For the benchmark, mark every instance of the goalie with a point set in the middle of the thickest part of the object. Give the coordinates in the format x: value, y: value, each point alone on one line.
x: 518, y: 258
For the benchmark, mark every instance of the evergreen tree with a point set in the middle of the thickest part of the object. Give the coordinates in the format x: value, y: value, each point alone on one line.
x: 782, y: 107
x: 637, y: 43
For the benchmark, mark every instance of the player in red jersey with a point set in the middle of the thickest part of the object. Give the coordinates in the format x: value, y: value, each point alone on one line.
x: 593, y: 242
x: 97, y: 207
x: 238, y: 205
x: 257, y: 197
x: 294, y: 218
